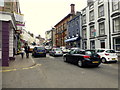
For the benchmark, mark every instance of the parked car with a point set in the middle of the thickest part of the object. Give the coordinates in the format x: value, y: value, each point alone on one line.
x: 56, y: 52
x: 82, y: 58
x: 48, y: 48
x: 107, y: 55
x: 39, y: 51
x: 65, y: 50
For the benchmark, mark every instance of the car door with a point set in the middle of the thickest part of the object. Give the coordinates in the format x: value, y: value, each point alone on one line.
x: 76, y: 56
x: 72, y: 56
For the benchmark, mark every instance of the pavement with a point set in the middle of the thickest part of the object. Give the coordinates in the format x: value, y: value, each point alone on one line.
x: 19, y: 63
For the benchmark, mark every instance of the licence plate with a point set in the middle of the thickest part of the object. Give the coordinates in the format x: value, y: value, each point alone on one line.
x: 113, y: 58
x: 95, y: 62
x: 40, y: 52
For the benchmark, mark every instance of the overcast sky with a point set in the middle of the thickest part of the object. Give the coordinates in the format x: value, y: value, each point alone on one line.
x: 41, y: 15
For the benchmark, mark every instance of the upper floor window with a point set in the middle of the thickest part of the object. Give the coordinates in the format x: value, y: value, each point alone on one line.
x: 91, y: 6
x: 91, y: 17
x: 84, y: 11
x: 116, y: 24
x: 84, y: 19
x: 115, y: 4
x: 84, y: 33
x: 102, y: 28
x: 101, y: 11
x: 92, y: 31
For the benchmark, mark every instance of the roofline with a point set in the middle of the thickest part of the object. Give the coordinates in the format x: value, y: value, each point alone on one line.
x: 64, y: 19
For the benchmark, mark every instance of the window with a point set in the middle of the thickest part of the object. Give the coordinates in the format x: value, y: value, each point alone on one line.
x: 102, y: 43
x: 101, y: 11
x: 92, y: 31
x: 91, y: 6
x: 115, y: 5
x: 84, y: 33
x: 117, y: 44
x: 100, y: 1
x: 84, y: 19
x: 84, y: 45
x: 116, y: 24
x: 92, y: 44
x: 91, y: 17
x: 101, y: 28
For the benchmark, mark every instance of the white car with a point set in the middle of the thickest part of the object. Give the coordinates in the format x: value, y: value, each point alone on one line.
x: 56, y: 52
x: 107, y: 55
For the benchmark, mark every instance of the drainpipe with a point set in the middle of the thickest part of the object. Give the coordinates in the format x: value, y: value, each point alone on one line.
x: 109, y: 24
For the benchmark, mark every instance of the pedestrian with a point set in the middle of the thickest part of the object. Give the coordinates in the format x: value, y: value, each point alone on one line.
x: 22, y: 52
x: 27, y: 48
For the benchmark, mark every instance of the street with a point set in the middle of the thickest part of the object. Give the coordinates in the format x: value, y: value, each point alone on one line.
x: 53, y: 72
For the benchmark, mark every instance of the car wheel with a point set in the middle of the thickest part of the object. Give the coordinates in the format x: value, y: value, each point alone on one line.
x: 103, y: 60
x: 65, y: 59
x: 80, y: 63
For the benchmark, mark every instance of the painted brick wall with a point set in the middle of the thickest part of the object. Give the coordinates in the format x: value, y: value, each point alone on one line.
x: 5, y: 43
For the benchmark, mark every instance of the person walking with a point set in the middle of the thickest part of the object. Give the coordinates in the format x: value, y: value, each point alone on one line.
x: 27, y: 48
x: 22, y: 52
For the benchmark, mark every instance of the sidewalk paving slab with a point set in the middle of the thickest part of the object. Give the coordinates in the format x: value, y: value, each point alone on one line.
x: 19, y: 63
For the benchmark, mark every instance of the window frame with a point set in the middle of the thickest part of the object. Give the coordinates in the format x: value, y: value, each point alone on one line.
x: 102, y: 11
x: 100, y: 29
x: 114, y: 30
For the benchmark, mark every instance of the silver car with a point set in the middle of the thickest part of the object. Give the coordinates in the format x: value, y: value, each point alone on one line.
x: 56, y: 52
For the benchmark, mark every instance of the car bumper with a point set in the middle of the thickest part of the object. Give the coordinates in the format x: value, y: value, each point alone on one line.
x: 57, y: 54
x: 92, y: 63
x: 39, y: 54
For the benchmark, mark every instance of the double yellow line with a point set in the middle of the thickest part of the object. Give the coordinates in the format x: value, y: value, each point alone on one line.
x: 20, y: 68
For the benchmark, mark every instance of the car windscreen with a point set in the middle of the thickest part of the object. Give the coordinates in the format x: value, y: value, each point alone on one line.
x: 40, y: 48
x: 110, y: 51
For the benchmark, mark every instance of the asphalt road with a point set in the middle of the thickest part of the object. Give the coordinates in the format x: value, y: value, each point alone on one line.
x: 53, y: 72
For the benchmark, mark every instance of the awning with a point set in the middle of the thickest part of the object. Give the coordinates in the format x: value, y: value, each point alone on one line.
x: 71, y: 39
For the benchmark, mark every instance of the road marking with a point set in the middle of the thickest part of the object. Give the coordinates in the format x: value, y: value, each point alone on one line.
x: 32, y: 60
x: 20, y: 68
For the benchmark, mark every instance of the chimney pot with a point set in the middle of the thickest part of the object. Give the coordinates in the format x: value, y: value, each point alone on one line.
x: 72, y: 8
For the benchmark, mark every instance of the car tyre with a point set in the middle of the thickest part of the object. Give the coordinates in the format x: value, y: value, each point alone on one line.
x: 103, y: 60
x: 80, y: 63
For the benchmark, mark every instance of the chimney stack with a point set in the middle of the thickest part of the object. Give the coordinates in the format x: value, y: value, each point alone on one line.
x: 72, y: 8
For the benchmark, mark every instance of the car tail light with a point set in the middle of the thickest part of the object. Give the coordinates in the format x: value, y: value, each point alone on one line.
x: 99, y: 56
x: 86, y: 56
x: 106, y: 54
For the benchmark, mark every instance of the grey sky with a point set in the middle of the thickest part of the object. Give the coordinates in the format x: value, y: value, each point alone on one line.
x: 41, y: 15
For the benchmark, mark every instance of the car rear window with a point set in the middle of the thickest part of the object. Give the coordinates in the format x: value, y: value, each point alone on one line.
x: 110, y: 51
x: 89, y: 52
x: 40, y: 48
x: 100, y: 50
x: 58, y: 49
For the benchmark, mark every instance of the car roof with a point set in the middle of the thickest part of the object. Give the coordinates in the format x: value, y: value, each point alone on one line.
x: 104, y: 49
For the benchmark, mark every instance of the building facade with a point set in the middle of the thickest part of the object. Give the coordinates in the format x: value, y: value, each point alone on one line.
x: 97, y: 25
x: 74, y: 31
x: 61, y: 28
x: 115, y: 24
x: 8, y: 29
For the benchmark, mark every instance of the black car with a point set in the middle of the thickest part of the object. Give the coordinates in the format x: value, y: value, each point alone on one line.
x: 39, y: 51
x: 82, y: 57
